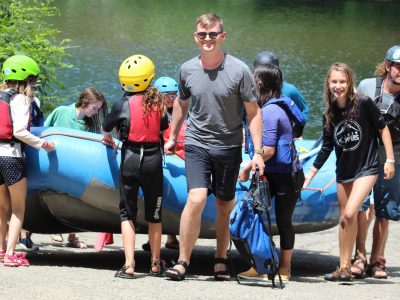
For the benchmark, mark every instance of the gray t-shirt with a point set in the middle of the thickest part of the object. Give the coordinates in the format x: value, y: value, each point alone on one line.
x: 367, y: 87
x: 217, y: 101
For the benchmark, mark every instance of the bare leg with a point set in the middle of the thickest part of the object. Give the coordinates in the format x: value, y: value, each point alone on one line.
x: 189, y: 228
x: 380, y: 234
x: 155, y: 232
x: 128, y: 241
x: 4, y: 215
x: 362, y: 231
x: 285, y: 263
x: 224, y: 209
x: 17, y: 195
x: 351, y: 196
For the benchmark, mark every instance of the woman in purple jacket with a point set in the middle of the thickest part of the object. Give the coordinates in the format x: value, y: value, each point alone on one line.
x: 282, y: 169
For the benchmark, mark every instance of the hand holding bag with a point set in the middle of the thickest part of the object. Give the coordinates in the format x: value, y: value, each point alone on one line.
x: 248, y: 230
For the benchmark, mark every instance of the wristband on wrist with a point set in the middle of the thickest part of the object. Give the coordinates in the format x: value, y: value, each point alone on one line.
x: 45, y: 144
x: 390, y: 161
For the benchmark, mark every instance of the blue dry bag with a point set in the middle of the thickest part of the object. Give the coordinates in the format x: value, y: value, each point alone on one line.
x: 248, y: 230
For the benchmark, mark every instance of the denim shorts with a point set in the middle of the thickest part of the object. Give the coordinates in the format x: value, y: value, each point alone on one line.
x: 213, y: 169
x: 367, y: 202
x: 387, y: 196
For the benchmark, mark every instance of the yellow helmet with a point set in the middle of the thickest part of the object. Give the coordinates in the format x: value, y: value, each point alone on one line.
x: 136, y: 73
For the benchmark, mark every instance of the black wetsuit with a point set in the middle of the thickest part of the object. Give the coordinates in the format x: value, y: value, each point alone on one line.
x: 141, y: 166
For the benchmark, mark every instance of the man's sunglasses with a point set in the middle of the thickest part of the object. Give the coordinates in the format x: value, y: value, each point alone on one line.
x: 212, y: 34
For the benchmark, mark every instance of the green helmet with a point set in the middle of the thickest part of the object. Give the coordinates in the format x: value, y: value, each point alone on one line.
x: 19, y: 67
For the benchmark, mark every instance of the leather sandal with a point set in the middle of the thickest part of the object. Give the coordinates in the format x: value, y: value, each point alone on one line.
x: 121, y: 273
x: 378, y: 269
x: 157, y: 264
x: 2, y: 252
x: 222, y: 275
x: 175, y: 274
x: 358, y: 267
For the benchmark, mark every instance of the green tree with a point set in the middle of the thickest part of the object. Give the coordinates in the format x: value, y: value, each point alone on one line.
x: 23, y: 30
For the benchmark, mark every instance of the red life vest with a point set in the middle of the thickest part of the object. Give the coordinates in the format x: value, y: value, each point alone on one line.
x: 143, y: 129
x: 180, y: 149
x: 6, y: 129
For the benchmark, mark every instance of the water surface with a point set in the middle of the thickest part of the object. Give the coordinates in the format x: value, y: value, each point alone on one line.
x: 308, y: 36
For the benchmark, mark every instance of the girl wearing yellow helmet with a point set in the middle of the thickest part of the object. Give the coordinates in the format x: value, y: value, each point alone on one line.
x: 139, y: 116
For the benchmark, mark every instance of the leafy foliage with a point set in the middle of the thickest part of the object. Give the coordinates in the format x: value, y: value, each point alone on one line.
x: 23, y: 30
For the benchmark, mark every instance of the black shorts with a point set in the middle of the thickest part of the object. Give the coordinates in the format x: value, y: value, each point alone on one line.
x: 12, y: 170
x: 146, y: 173
x: 215, y: 169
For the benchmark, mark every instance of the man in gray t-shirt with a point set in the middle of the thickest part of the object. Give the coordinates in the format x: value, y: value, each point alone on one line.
x: 385, y: 90
x: 219, y: 87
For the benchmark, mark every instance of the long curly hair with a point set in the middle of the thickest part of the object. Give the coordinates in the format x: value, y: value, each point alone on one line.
x: 88, y: 96
x: 153, y: 101
x: 351, y: 96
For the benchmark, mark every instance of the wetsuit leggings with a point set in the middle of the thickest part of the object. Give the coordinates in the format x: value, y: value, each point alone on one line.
x: 145, y: 171
x: 286, y: 189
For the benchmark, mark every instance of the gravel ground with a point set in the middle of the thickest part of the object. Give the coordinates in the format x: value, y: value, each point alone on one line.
x: 59, y: 272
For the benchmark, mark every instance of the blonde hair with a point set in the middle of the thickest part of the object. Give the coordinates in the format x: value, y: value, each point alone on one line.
x: 351, y: 96
x: 380, y: 69
x: 153, y: 101
x: 23, y: 87
x: 209, y: 19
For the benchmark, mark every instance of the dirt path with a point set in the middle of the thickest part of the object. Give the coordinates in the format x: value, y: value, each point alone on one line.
x: 58, y: 272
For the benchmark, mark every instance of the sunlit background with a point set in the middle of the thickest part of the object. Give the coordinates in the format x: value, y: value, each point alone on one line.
x: 308, y: 36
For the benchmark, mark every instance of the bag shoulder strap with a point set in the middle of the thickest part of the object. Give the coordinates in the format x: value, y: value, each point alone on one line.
x: 290, y: 108
x: 6, y: 96
x: 378, y: 87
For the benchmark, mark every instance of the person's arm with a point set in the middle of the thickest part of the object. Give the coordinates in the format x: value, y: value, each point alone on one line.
x: 254, y: 120
x: 179, y: 113
x: 388, y: 168
x: 322, y: 156
x: 164, y: 124
x: 20, y: 111
x: 110, y: 121
x: 384, y: 132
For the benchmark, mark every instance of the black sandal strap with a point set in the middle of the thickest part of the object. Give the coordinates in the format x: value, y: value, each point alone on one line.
x: 183, y: 264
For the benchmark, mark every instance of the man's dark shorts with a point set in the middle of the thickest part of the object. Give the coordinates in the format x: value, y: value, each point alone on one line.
x: 215, y: 169
x: 12, y: 170
x: 387, y: 196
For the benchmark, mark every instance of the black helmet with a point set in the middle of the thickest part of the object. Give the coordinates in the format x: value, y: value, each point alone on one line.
x: 266, y: 57
x: 393, y: 54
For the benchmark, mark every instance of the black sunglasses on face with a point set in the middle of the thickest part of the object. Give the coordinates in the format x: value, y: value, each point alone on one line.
x: 212, y: 34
